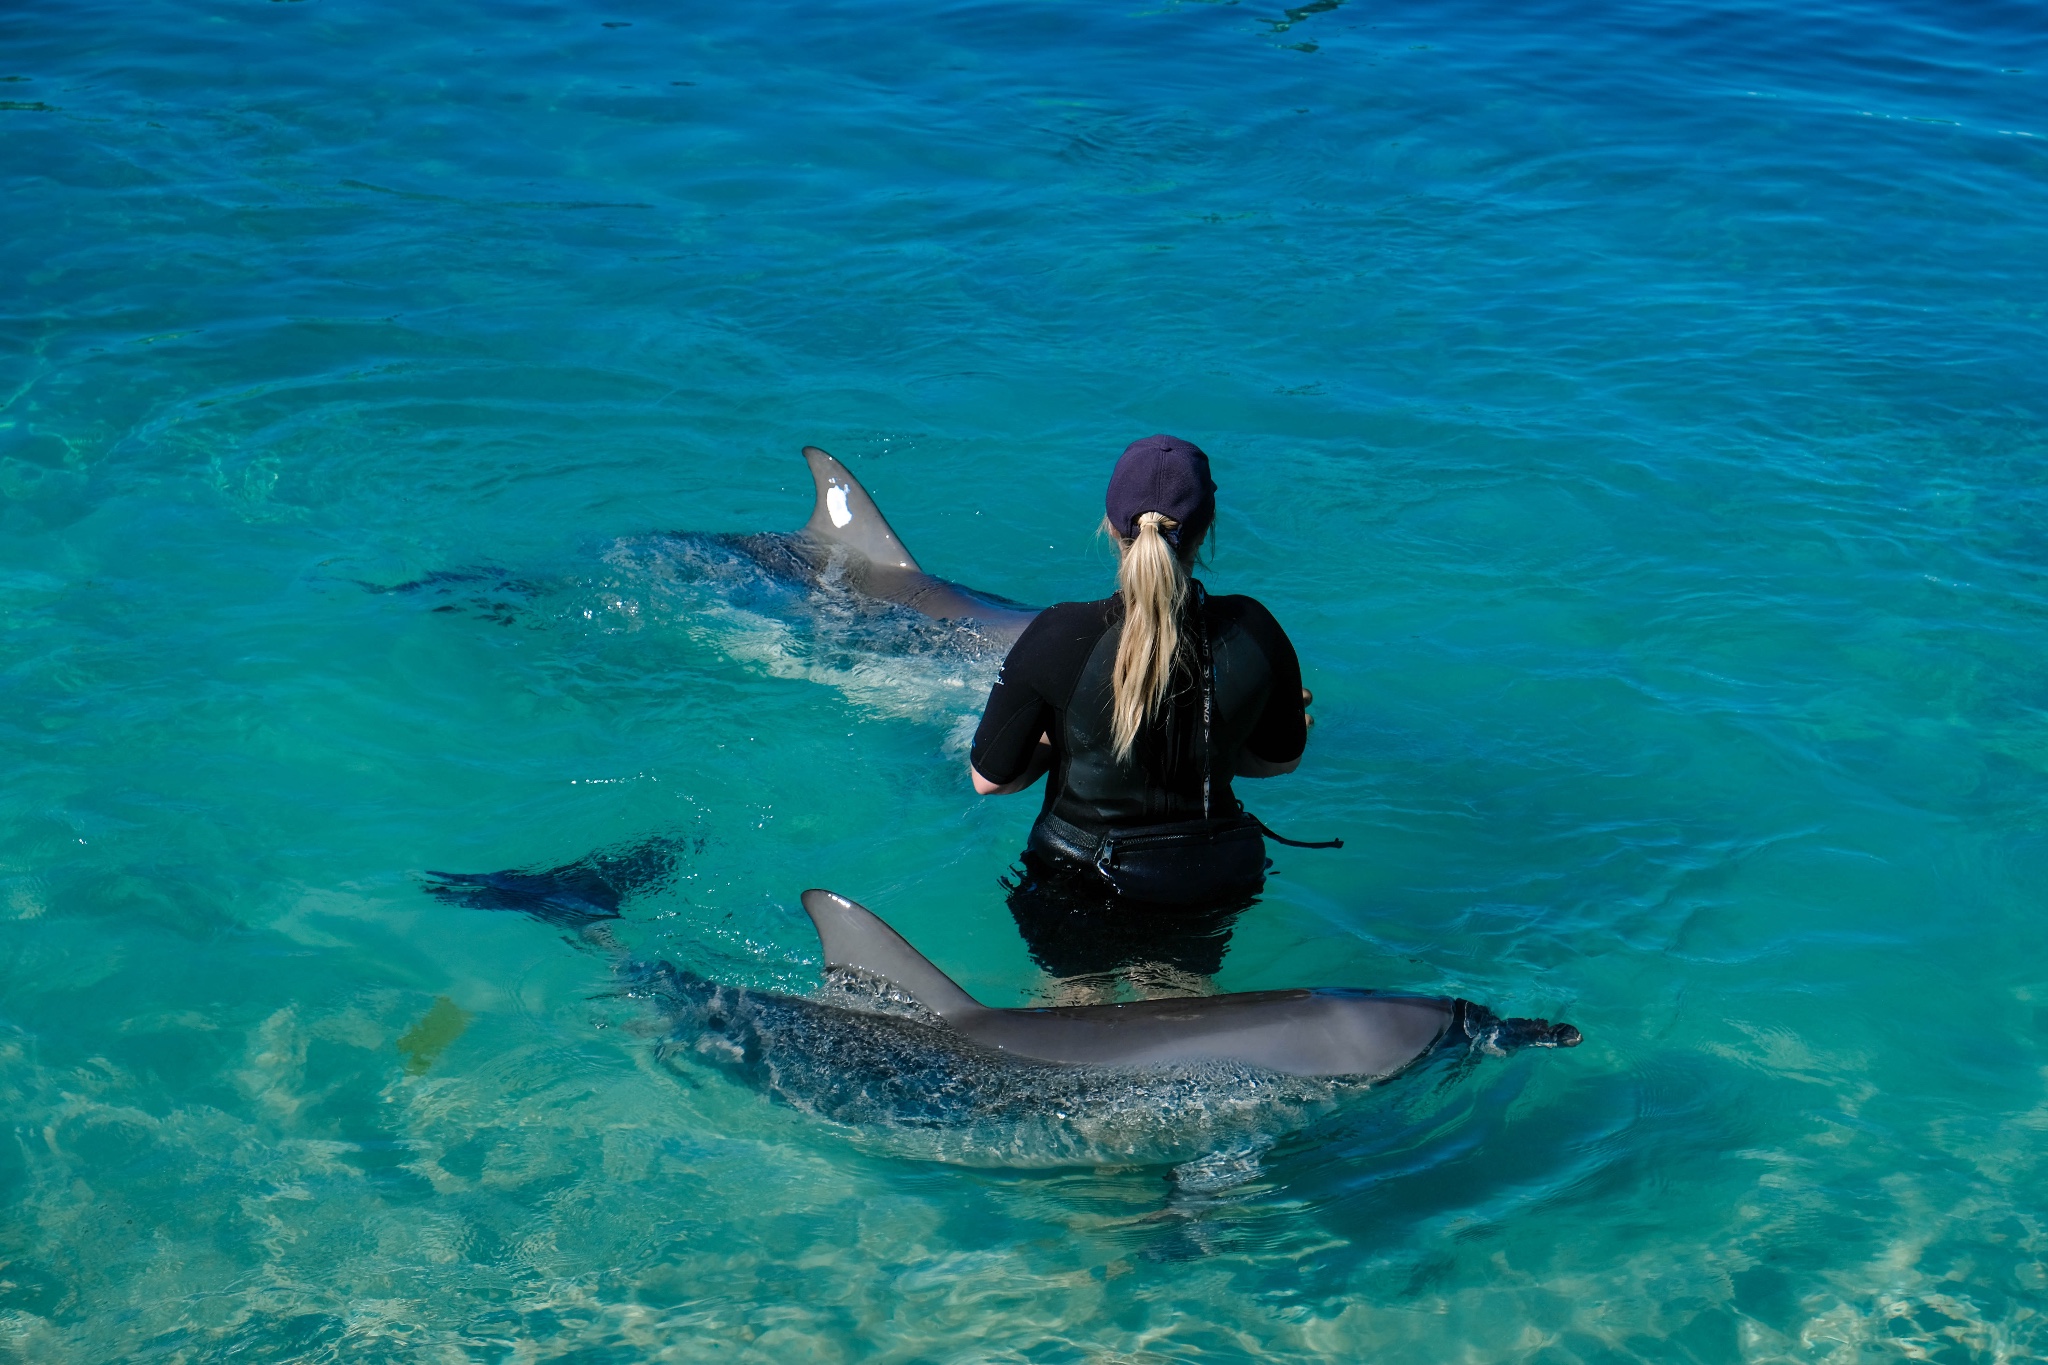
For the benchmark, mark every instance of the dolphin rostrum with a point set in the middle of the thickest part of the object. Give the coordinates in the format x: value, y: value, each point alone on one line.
x: 1321, y: 1032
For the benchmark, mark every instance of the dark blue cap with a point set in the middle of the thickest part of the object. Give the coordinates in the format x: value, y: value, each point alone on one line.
x: 1167, y: 475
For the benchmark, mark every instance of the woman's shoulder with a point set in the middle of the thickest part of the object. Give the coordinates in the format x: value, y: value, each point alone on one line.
x: 1066, y: 616
x: 1064, y: 625
x: 1055, y: 646
x: 1249, y: 614
x: 1240, y: 607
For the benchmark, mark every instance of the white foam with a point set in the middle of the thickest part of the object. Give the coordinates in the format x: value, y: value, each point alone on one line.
x: 888, y: 660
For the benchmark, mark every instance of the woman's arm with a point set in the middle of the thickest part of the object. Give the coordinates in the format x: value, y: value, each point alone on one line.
x: 1041, y: 759
x: 1012, y: 737
x: 1250, y: 764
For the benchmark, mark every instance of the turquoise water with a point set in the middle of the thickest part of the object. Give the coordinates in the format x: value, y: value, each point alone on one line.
x: 1634, y: 411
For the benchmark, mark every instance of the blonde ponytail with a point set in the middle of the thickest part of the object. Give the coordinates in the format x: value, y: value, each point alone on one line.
x: 1154, y: 584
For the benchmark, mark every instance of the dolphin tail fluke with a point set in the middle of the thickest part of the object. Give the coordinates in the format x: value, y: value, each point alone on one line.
x: 844, y: 514
x: 1492, y: 1034
x: 566, y: 901
x: 571, y: 896
x: 854, y: 937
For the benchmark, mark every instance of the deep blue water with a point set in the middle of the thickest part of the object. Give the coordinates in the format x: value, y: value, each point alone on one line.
x: 1634, y: 411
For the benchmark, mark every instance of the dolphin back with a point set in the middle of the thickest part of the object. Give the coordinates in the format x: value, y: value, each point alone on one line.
x: 844, y: 514
x: 1309, y: 1033
x: 855, y: 938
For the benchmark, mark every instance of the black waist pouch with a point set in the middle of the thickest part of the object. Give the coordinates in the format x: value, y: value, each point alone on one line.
x: 1188, y: 863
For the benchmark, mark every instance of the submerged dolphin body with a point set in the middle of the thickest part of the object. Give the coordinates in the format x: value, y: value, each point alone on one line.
x: 848, y: 538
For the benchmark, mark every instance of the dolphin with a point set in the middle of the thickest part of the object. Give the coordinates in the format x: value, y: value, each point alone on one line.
x: 893, y: 1042
x: 848, y: 539
x: 847, y: 543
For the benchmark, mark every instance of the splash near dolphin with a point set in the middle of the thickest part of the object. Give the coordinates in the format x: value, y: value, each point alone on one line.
x: 839, y: 601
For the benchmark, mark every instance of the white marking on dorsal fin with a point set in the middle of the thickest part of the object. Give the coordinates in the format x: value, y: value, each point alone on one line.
x: 844, y: 514
x: 854, y: 936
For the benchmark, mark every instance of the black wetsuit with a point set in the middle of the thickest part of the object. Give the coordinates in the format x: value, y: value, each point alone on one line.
x: 1057, y: 682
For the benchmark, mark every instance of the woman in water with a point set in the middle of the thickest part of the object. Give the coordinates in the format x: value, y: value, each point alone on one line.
x: 1139, y: 710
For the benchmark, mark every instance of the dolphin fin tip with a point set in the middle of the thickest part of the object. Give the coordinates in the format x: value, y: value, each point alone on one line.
x: 843, y: 513
x: 853, y: 936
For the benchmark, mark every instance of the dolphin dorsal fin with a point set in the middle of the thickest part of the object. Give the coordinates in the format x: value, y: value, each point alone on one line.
x: 854, y: 936
x: 844, y: 514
